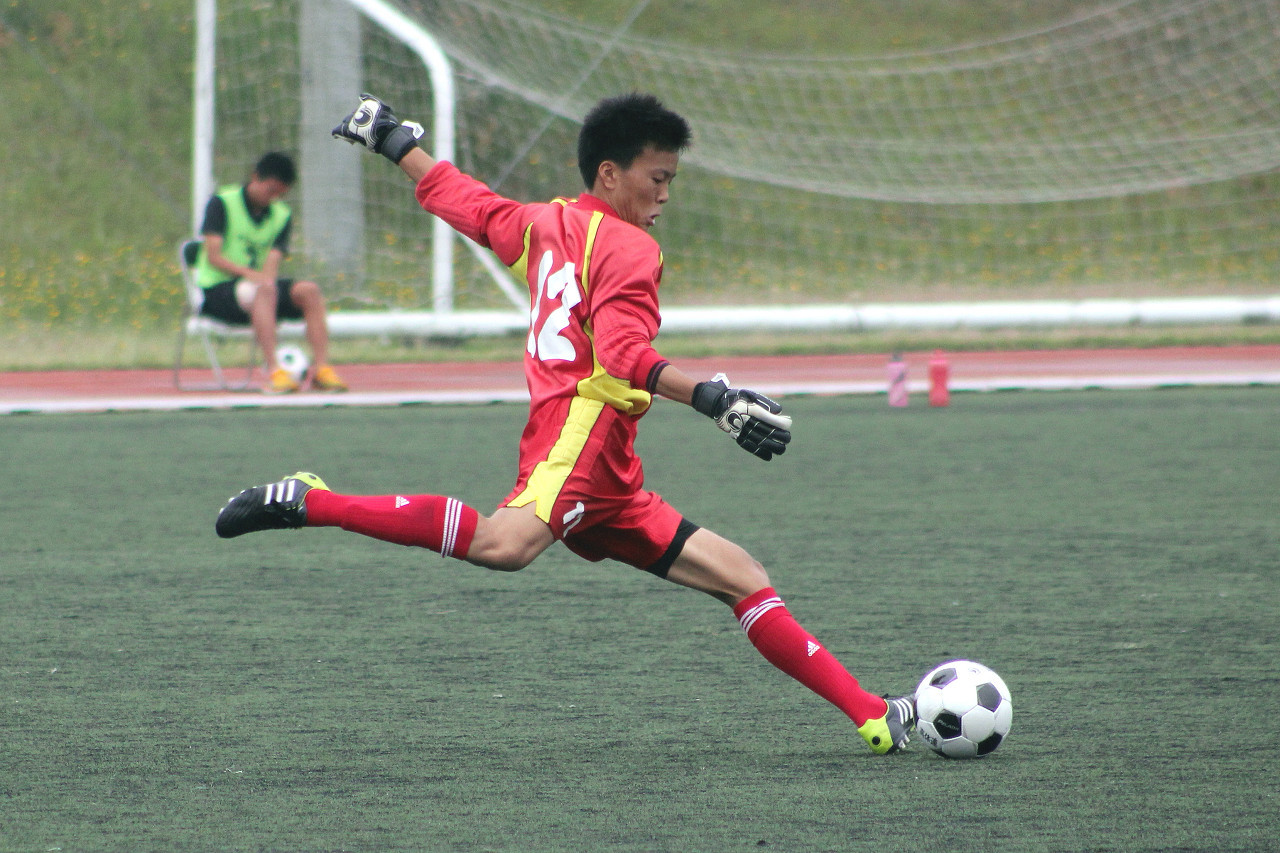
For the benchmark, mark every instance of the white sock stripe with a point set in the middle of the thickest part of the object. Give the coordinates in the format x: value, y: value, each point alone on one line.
x: 458, y: 507
x: 749, y: 618
x: 452, y: 515
x: 446, y: 543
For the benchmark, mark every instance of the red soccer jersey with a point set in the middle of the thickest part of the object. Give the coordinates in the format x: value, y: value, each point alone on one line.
x: 589, y: 360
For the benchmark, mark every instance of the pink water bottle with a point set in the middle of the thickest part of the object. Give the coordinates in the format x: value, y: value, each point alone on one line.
x: 939, y: 376
x: 898, y: 395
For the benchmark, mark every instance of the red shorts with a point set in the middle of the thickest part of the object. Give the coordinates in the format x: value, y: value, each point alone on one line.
x: 639, y: 533
x: 585, y: 481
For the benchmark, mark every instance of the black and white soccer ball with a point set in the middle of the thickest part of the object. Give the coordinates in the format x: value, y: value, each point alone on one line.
x: 294, y: 361
x: 964, y: 709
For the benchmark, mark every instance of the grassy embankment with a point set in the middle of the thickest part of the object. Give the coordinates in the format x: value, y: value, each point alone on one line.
x: 94, y: 197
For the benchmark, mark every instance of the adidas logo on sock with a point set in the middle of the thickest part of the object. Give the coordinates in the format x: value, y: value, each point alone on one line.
x: 401, y: 501
x: 813, y: 648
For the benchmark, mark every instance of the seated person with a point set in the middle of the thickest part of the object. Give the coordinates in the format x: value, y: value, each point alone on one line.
x: 246, y: 236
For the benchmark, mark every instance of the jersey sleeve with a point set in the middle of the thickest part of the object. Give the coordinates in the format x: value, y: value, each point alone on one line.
x: 474, y: 210
x: 624, y: 310
x: 215, y: 217
x: 282, y: 239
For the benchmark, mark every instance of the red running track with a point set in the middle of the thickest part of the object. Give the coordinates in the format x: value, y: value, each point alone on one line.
x: 467, y: 382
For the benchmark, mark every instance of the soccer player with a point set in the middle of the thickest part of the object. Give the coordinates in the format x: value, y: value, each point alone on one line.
x: 593, y: 273
x: 246, y: 237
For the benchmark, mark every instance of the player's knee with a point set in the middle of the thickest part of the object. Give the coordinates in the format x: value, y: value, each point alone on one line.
x: 749, y: 576
x: 251, y: 294
x: 509, y: 540
x: 306, y: 292
x: 725, y: 571
x: 738, y: 575
x: 502, y: 557
x: 501, y: 553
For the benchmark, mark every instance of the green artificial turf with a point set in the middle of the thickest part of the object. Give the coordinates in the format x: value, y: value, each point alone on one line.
x: 1112, y: 554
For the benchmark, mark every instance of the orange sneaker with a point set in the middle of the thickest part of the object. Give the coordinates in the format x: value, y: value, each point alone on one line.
x: 280, y: 382
x: 327, y: 379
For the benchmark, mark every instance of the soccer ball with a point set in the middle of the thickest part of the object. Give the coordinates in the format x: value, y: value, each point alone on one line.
x: 294, y: 361
x: 964, y: 709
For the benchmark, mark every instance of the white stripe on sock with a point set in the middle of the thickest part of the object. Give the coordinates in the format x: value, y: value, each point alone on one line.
x: 452, y: 515
x: 749, y: 618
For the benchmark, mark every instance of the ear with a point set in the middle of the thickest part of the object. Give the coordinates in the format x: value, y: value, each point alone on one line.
x: 607, y: 175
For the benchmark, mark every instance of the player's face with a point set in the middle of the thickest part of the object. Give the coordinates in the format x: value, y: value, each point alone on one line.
x: 263, y: 191
x: 643, y: 187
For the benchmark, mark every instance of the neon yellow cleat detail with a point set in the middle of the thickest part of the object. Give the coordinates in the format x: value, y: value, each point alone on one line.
x: 891, y: 732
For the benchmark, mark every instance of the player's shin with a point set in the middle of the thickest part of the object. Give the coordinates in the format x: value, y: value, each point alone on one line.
x: 785, y: 644
x: 442, y: 524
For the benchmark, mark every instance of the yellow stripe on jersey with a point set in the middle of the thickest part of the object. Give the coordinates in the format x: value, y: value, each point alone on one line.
x: 614, y: 391
x: 600, y: 385
x: 548, y: 476
x: 521, y: 266
x: 592, y: 228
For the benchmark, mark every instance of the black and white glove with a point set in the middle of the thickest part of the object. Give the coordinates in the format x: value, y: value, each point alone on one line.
x: 373, y: 125
x: 751, y: 419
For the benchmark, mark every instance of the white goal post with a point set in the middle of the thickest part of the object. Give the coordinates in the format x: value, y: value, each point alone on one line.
x: 1122, y: 165
x: 442, y: 125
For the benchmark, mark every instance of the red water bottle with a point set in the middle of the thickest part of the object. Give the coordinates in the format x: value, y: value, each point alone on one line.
x: 898, y: 395
x: 939, y: 375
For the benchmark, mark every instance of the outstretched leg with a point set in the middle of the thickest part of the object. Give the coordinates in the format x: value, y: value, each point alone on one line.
x: 724, y: 570
x: 506, y: 541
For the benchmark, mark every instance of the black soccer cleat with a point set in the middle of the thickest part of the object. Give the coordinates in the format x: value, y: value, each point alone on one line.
x: 275, y: 506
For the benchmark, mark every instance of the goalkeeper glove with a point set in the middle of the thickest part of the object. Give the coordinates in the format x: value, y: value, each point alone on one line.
x: 751, y: 419
x: 373, y: 125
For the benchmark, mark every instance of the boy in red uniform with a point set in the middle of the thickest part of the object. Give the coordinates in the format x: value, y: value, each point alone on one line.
x: 593, y: 273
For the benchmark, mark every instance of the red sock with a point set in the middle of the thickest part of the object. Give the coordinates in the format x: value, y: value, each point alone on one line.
x: 445, y: 525
x: 792, y: 649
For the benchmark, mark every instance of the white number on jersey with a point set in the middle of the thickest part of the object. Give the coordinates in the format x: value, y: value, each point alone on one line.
x: 557, y: 295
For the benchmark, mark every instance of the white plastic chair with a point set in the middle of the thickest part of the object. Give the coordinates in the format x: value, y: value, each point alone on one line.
x: 208, y: 330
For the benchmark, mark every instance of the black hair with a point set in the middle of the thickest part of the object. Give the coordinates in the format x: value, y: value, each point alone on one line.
x: 620, y: 128
x: 277, y: 164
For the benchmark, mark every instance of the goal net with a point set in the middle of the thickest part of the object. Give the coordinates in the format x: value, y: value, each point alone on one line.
x: 1131, y: 151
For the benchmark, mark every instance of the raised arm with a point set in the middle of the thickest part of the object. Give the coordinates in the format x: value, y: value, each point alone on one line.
x: 373, y: 125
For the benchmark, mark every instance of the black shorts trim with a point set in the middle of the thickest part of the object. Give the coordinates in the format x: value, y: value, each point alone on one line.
x: 220, y: 303
x: 686, y: 529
